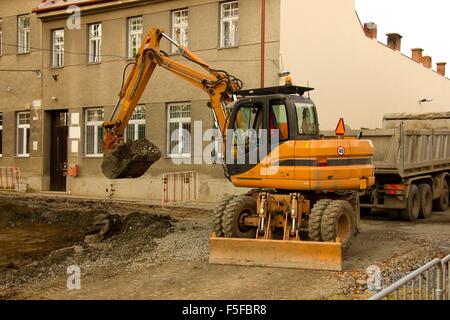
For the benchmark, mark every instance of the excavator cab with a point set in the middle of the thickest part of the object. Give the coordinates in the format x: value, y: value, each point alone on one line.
x: 262, y: 119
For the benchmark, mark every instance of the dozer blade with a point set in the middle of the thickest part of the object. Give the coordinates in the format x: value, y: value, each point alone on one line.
x: 129, y: 160
x: 276, y: 253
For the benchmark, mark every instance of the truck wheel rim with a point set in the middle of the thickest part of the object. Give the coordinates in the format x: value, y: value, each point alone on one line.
x: 445, y: 195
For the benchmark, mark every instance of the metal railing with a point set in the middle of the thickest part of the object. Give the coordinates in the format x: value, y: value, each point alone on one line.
x: 446, y: 278
x: 10, y: 178
x: 430, y: 282
x: 179, y: 187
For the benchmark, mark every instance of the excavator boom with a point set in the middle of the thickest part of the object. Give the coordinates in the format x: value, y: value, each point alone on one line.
x: 132, y: 159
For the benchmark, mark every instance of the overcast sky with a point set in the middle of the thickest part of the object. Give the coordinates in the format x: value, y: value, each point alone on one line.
x: 422, y: 23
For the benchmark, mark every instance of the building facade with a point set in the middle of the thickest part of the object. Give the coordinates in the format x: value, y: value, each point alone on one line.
x: 52, y: 114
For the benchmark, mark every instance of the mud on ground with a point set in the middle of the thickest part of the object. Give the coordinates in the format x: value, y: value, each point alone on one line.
x: 131, y: 251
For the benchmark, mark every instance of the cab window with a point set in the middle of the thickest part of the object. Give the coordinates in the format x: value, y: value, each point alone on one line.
x: 278, y: 120
x: 306, y: 118
x: 249, y: 117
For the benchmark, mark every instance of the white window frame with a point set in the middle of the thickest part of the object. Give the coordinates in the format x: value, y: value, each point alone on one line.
x: 25, y: 144
x: 96, y: 124
x: 57, y: 49
x: 23, y: 34
x: 95, y: 42
x: 1, y: 136
x: 1, y: 37
x: 183, y: 25
x: 180, y: 121
x: 234, y: 36
x: 134, y: 34
x: 136, y: 122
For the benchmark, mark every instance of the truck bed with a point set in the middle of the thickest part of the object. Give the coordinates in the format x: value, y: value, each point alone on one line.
x: 405, y: 152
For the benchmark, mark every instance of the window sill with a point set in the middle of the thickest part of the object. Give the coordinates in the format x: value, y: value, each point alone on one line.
x: 178, y: 158
x: 22, y: 156
x: 22, y: 53
x: 92, y: 157
x: 56, y: 68
x: 225, y: 48
x: 94, y: 63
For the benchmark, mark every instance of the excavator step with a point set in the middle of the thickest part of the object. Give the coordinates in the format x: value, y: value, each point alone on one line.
x: 276, y: 253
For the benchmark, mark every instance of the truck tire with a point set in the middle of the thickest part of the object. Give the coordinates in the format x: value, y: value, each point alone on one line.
x: 356, y: 204
x: 441, y: 203
x: 232, y: 219
x: 339, y: 220
x: 315, y: 219
x: 218, y: 213
x: 426, y: 200
x: 411, y: 213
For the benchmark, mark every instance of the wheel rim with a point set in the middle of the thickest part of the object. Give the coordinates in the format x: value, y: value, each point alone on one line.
x: 445, y: 195
x: 416, y: 205
x: 343, y: 227
x: 428, y: 202
x: 241, y: 220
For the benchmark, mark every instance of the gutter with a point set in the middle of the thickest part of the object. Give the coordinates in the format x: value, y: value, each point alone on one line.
x: 64, y: 6
x: 263, y: 42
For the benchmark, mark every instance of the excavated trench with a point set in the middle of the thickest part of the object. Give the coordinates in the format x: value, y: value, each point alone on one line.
x: 35, y: 231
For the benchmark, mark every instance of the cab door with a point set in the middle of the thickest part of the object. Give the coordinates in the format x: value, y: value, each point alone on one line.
x: 280, y: 162
x: 245, y: 137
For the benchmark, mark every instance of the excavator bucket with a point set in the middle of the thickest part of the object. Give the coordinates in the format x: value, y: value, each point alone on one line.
x: 276, y: 253
x: 129, y: 160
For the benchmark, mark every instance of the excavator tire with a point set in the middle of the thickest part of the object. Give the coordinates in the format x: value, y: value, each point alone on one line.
x: 339, y: 220
x: 218, y: 213
x: 130, y: 160
x: 233, y: 216
x: 315, y: 219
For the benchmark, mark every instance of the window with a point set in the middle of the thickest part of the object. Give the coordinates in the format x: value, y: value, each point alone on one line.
x: 23, y: 134
x: 1, y: 36
x: 179, y: 133
x: 278, y: 119
x: 180, y: 26
x: 94, y: 132
x: 134, y: 36
x: 23, y: 34
x: 136, y: 126
x: 58, y: 48
x: 95, y: 43
x: 1, y: 134
x: 229, y: 17
x: 306, y: 118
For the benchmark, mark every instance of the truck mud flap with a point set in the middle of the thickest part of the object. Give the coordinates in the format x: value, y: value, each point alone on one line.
x: 276, y: 253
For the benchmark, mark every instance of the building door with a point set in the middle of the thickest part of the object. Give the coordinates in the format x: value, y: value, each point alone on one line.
x: 58, y: 155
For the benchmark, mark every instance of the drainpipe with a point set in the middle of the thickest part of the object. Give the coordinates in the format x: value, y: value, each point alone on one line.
x: 263, y: 39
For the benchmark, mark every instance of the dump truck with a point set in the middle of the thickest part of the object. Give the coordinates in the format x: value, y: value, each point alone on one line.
x: 303, y: 210
x: 412, y: 165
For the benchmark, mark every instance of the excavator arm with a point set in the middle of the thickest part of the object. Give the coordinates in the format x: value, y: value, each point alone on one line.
x: 132, y: 159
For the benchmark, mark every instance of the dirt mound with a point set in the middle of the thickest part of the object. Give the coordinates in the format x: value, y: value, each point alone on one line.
x: 40, y: 238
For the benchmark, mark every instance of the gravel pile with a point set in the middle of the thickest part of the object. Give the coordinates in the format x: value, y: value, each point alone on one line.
x: 189, y: 242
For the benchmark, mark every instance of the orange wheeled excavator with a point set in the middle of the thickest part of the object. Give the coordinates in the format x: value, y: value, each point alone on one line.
x: 303, y: 210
